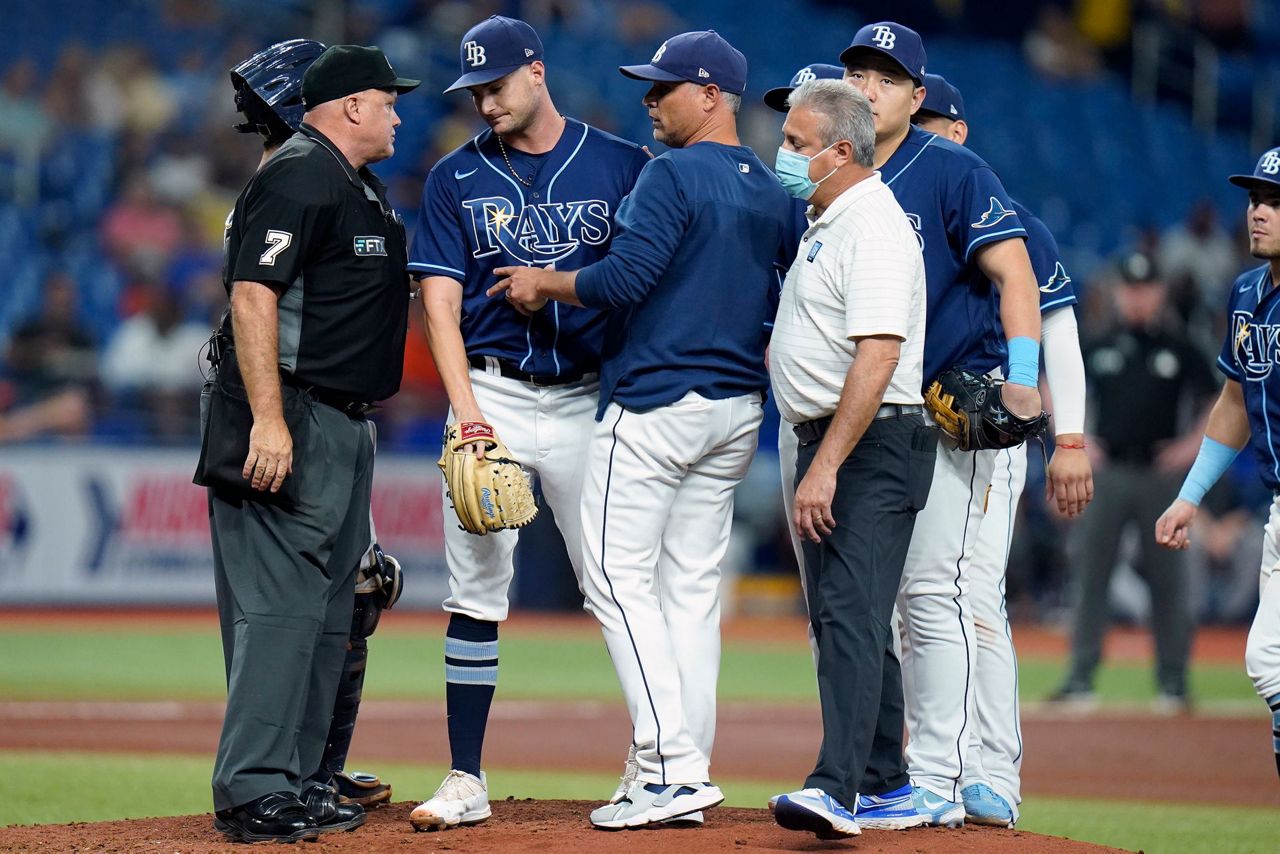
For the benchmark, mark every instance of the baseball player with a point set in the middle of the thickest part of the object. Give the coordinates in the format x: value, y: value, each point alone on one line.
x: 992, y: 789
x: 691, y: 279
x: 535, y: 189
x: 1246, y: 413
x: 974, y: 247
x: 268, y: 88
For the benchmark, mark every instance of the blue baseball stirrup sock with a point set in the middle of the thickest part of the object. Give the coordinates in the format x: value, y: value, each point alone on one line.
x: 471, y: 676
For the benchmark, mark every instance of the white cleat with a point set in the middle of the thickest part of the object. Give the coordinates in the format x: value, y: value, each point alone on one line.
x: 657, y: 804
x: 462, y: 799
x: 630, y: 772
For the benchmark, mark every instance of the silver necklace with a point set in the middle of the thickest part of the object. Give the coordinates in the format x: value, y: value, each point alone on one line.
x: 503, y: 148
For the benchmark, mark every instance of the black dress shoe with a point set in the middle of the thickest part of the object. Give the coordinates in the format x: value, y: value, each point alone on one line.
x: 328, y: 812
x: 277, y: 817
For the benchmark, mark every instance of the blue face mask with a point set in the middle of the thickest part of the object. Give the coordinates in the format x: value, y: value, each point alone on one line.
x: 792, y: 169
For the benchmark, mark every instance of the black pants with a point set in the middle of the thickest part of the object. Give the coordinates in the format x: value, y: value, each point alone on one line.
x: 285, y: 579
x: 852, y: 580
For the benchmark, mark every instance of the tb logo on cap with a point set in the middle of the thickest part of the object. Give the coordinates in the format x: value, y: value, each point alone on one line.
x: 475, y: 54
x: 884, y: 37
x: 657, y: 57
x: 805, y: 75
x: 1270, y: 163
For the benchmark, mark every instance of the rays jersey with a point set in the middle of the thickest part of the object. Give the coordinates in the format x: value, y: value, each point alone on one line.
x: 1249, y: 356
x: 476, y: 216
x: 957, y: 205
x: 1056, y: 289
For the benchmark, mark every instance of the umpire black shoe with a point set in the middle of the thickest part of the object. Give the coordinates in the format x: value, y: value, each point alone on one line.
x: 328, y: 811
x: 277, y: 817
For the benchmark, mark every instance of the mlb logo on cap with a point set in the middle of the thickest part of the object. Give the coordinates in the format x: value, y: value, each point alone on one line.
x: 899, y: 43
x: 702, y: 57
x: 1266, y: 175
x: 494, y: 48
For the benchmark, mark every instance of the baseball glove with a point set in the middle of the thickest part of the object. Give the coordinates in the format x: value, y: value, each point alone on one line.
x: 488, y: 494
x: 968, y: 408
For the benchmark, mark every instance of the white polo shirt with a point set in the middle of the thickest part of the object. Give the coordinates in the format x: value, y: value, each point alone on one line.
x: 859, y: 272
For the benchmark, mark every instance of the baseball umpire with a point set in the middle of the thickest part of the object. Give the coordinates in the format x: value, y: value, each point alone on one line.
x: 268, y: 87
x: 992, y: 786
x: 845, y: 363
x: 1247, y: 413
x: 538, y: 189
x: 974, y: 246
x: 319, y: 300
x: 691, y: 279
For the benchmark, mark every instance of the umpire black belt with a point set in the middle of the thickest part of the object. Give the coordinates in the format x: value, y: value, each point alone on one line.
x: 493, y: 365
x: 341, y: 402
x: 809, y: 432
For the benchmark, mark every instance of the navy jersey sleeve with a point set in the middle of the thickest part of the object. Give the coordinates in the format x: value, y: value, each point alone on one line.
x: 1227, y: 358
x: 1056, y: 290
x: 982, y: 212
x: 279, y: 227
x: 650, y: 224
x: 439, y: 246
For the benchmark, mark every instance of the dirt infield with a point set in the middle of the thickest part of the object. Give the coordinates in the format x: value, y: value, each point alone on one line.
x: 1129, y: 757
x: 537, y: 826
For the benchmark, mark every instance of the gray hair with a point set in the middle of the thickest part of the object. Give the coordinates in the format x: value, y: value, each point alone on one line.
x: 843, y: 113
x: 732, y: 101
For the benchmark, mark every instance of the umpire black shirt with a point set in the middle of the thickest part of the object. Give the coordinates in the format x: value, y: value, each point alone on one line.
x: 1147, y: 385
x: 323, y: 233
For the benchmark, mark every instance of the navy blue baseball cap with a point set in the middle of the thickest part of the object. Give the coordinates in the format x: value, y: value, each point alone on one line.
x: 776, y: 98
x: 941, y: 98
x: 1266, y: 175
x: 494, y: 48
x: 899, y: 43
x: 701, y: 57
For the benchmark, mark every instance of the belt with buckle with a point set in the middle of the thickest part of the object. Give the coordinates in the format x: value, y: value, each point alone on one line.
x: 341, y: 402
x: 494, y: 365
x: 809, y: 432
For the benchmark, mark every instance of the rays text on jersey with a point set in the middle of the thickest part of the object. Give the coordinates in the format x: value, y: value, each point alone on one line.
x: 1256, y: 346
x: 537, y: 234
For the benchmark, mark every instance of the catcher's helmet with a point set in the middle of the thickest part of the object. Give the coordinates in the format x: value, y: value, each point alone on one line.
x: 269, y: 87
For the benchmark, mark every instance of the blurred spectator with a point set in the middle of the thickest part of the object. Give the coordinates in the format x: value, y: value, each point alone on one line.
x: 52, y: 367
x: 1199, y: 251
x: 152, y: 362
x: 139, y: 232
x: 24, y: 124
x: 65, y: 99
x: 1056, y: 48
x: 1147, y: 385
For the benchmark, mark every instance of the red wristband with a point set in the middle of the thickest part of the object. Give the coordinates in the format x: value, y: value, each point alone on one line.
x: 1071, y: 446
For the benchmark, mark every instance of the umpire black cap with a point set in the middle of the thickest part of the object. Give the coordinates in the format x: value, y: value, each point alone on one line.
x: 347, y: 68
x: 1138, y: 268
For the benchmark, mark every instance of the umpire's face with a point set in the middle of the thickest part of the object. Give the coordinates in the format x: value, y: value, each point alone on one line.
x: 677, y: 110
x: 378, y: 122
x: 1264, y: 222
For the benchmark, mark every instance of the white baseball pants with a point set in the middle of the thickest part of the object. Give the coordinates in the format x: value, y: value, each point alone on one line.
x: 546, y: 429
x: 1262, y: 651
x: 657, y: 506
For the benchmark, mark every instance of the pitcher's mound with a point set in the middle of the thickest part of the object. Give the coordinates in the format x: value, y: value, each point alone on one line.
x: 519, y: 825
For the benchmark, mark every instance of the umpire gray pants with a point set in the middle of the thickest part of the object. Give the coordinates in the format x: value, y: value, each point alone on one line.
x: 1125, y: 494
x: 285, y: 585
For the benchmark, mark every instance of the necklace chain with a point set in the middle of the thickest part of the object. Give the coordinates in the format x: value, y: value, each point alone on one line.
x: 503, y: 148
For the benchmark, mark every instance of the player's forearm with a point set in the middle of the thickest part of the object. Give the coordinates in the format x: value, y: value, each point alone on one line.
x: 561, y: 287
x: 255, y: 325
x: 444, y: 340
x: 1064, y: 368
x: 862, y: 395
x: 1229, y: 419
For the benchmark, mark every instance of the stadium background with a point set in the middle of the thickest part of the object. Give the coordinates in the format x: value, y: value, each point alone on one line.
x: 1116, y: 122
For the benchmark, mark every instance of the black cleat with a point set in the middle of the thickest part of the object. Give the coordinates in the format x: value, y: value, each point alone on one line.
x: 277, y: 817
x: 328, y: 811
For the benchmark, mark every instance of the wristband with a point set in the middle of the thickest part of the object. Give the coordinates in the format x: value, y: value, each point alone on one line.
x: 1071, y: 446
x: 1024, y: 361
x: 1214, y: 459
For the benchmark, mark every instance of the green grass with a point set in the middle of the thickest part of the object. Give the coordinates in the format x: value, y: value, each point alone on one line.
x: 94, y: 787
x: 137, y: 664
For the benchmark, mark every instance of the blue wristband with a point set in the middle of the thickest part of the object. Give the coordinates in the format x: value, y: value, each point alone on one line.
x: 1214, y: 459
x: 1024, y: 361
